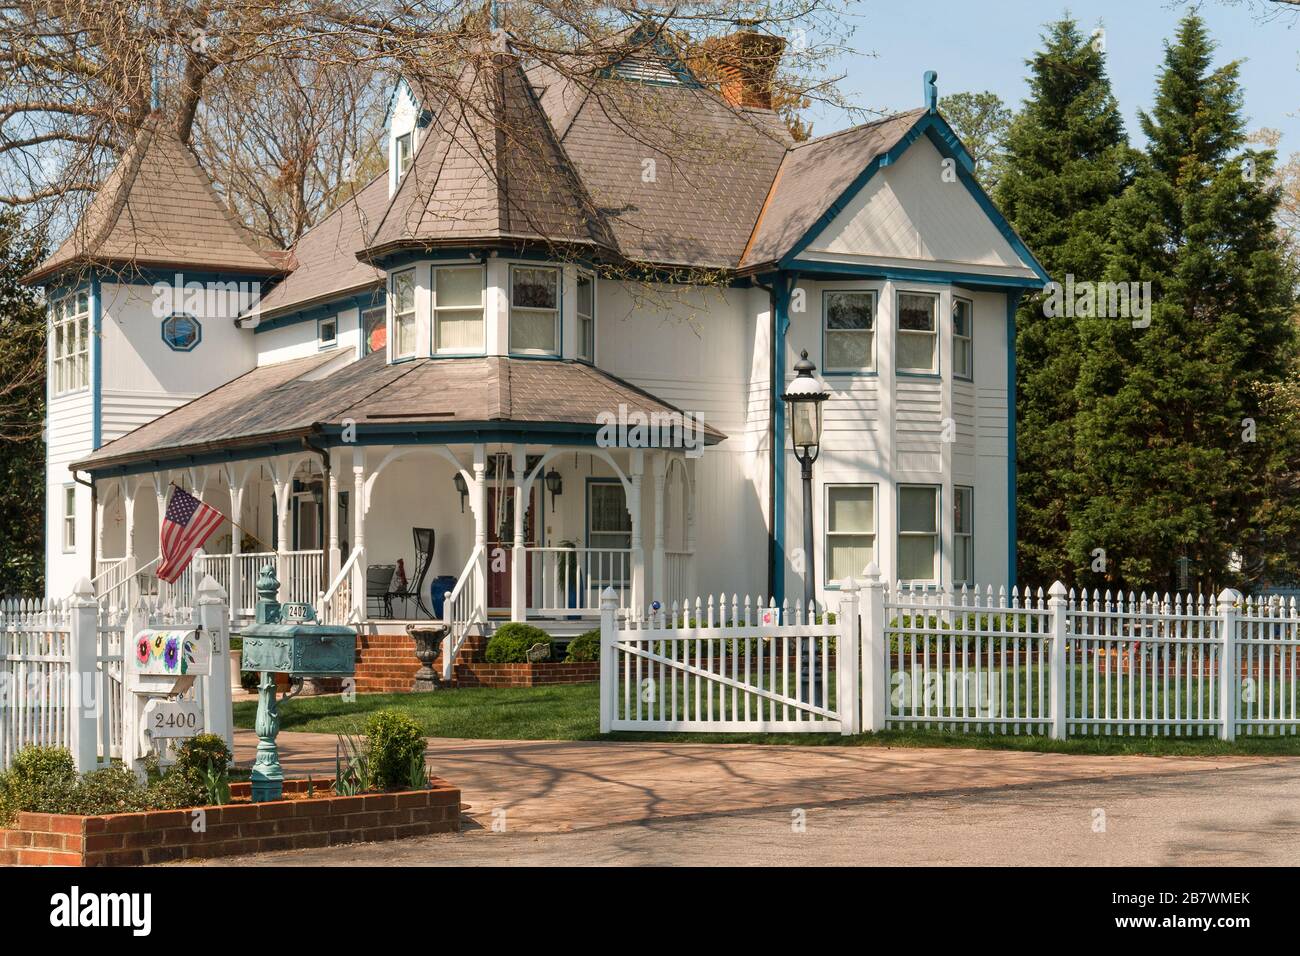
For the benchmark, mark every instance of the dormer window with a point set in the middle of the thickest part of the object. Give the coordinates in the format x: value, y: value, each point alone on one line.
x: 534, y: 310
x: 404, y: 147
x: 70, y: 343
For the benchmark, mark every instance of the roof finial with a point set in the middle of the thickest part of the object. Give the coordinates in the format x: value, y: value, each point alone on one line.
x: 931, y: 91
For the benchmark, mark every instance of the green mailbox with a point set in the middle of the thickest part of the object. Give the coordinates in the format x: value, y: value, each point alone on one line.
x: 287, y: 640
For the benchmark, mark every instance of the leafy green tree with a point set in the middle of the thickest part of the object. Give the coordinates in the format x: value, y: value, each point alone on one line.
x: 1067, y: 159
x: 1175, y: 448
x: 982, y: 121
x: 22, y: 416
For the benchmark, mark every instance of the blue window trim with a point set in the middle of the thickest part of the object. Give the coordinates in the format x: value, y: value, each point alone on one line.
x: 937, y: 371
x: 433, y: 308
x: 898, y: 533
x: 96, y: 362
x: 875, y: 336
x: 53, y: 297
x: 953, y: 334
x: 197, y: 325
x: 782, y: 287
x: 559, y: 310
x: 827, y: 583
x: 321, y: 344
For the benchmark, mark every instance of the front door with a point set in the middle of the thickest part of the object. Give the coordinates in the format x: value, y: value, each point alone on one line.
x: 501, y: 543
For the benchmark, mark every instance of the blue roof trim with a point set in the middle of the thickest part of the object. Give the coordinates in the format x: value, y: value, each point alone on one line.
x: 354, y: 300
x: 1013, y: 302
x: 936, y: 128
x: 97, y: 362
x: 975, y: 280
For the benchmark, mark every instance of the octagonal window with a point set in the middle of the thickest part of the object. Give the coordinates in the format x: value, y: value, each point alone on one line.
x: 181, y: 332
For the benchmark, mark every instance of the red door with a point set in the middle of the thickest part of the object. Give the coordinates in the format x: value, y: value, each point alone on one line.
x: 501, y: 543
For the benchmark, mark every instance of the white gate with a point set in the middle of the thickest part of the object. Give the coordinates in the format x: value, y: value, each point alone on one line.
x: 729, y: 667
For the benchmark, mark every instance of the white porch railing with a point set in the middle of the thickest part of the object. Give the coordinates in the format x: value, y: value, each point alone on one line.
x: 465, y: 609
x: 336, y: 605
x: 250, y: 566
x: 301, y: 576
x: 570, y: 580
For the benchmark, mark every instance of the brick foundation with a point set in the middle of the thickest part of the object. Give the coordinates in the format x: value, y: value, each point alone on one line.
x: 158, y: 836
x: 386, y: 664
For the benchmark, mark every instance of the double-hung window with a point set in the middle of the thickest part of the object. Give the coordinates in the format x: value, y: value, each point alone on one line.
x: 69, y: 517
x: 328, y: 332
x: 918, y: 533
x: 850, y: 331
x: 918, y: 335
x: 963, y: 533
x: 534, y: 310
x: 963, y: 358
x: 458, y: 309
x: 850, y: 530
x: 586, y: 317
x: 404, y: 150
x: 403, y: 299
x: 70, y: 343
x: 609, y: 535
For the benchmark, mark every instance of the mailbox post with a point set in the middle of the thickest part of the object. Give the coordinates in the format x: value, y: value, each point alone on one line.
x: 285, y: 639
x: 161, y: 664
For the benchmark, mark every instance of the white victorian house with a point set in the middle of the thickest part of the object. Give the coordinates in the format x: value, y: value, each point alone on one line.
x: 431, y: 374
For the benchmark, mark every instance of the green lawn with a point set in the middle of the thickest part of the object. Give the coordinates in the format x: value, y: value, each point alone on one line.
x: 571, y: 712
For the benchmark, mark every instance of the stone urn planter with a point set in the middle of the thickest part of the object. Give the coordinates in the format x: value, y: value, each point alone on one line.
x: 428, y: 638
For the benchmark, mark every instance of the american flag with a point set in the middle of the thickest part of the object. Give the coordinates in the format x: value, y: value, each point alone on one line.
x: 187, y: 524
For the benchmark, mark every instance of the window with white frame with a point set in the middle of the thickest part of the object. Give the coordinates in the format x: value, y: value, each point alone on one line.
x: 850, y: 530
x: 69, y: 517
x: 535, y: 310
x: 403, y: 313
x: 609, y: 526
x: 918, y: 335
x: 918, y: 533
x: 963, y: 356
x: 586, y: 316
x: 70, y: 343
x: 328, y: 331
x: 458, y: 309
x: 963, y: 532
x: 850, y: 331
x: 404, y: 150
x: 374, y: 329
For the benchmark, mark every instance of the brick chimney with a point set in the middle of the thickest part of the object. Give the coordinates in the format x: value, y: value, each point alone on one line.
x: 744, y: 65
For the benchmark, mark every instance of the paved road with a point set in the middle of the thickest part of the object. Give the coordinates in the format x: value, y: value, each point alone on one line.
x: 669, y: 804
x: 1248, y: 815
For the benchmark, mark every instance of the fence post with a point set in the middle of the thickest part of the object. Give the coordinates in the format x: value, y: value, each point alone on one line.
x: 848, y: 693
x: 83, y: 652
x: 1056, y: 604
x: 873, y: 651
x: 214, y: 618
x: 1228, y: 601
x: 608, y: 662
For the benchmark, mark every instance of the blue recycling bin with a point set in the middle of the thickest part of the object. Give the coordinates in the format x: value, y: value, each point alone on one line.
x: 438, y: 593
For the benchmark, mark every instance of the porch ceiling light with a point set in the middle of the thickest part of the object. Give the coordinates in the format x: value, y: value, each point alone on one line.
x: 461, y: 488
x: 554, y: 484
x: 805, y: 395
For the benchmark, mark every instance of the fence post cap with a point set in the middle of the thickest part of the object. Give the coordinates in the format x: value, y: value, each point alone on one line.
x: 850, y: 585
x: 871, y: 572
x: 83, y: 592
x: 1057, y: 590
x: 210, y: 591
x: 608, y: 599
x: 1229, y: 596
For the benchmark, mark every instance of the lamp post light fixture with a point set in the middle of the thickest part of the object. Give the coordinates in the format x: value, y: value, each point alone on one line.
x: 554, y: 484
x: 805, y: 396
x: 462, y: 489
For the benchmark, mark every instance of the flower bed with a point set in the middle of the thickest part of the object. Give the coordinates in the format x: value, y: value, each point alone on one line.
x: 297, y: 822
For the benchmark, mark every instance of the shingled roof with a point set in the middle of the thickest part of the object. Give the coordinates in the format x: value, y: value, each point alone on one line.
x: 158, y: 209
x: 489, y: 168
x: 286, y: 401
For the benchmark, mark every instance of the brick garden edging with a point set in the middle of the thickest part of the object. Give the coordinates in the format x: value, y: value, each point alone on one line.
x: 157, y: 836
x: 386, y: 664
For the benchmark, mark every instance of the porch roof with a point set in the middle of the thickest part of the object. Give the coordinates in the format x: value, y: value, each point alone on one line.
x: 286, y: 402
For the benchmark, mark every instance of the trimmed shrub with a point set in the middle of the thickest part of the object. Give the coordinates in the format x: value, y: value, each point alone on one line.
x: 393, y: 742
x: 585, y: 647
x: 43, y: 765
x: 510, y: 643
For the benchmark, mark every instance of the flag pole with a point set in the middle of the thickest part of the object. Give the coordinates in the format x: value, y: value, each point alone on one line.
x: 230, y: 519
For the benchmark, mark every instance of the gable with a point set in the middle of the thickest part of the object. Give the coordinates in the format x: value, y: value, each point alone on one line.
x: 909, y: 211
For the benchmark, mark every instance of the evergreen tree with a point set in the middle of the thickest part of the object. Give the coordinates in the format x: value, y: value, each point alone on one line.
x: 1067, y: 159
x: 1176, y: 454
x: 22, y: 415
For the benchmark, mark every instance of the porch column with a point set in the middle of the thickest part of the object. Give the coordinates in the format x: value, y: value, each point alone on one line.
x: 99, y: 531
x: 359, y: 599
x: 236, y: 488
x: 480, y: 528
x: 282, y: 486
x: 335, y: 556
x: 692, y: 579
x: 128, y: 515
x: 636, y: 470
x: 659, y: 578
x: 519, y: 558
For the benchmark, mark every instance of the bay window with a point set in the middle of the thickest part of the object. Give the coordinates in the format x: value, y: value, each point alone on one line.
x: 458, y: 309
x: 849, y: 331
x: 850, y: 530
x: 535, y: 310
x: 70, y: 343
x: 918, y: 324
x: 918, y: 533
x: 403, y: 313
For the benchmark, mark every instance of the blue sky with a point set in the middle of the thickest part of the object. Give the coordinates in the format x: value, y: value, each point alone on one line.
x: 982, y: 45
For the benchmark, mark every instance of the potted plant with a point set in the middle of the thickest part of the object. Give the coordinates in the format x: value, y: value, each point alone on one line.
x: 236, y: 659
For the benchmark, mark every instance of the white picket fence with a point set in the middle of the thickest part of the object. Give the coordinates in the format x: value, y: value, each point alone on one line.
x: 1059, y: 663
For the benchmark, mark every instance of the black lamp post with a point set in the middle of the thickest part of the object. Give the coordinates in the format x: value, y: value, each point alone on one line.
x: 554, y: 484
x: 462, y: 489
x: 805, y: 396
